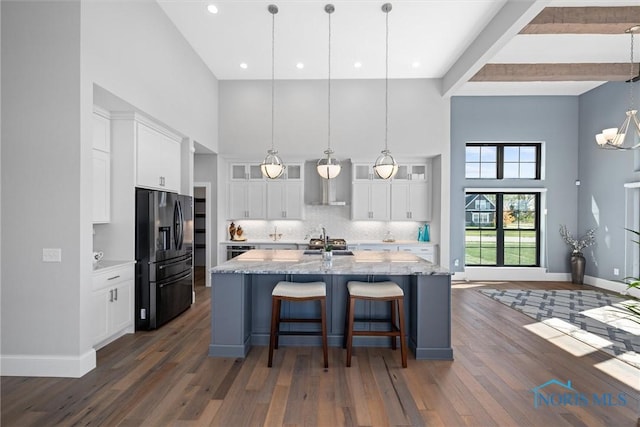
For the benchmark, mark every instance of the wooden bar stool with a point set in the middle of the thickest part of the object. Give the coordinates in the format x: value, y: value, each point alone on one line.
x: 380, y: 291
x: 297, y: 292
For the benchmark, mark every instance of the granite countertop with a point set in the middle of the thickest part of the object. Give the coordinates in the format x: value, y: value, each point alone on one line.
x: 361, y: 262
x: 305, y: 242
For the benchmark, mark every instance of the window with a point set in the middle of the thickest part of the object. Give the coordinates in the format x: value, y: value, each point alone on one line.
x: 502, y: 161
x: 502, y: 229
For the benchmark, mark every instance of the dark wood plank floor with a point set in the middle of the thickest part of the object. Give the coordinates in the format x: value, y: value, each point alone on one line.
x: 164, y: 377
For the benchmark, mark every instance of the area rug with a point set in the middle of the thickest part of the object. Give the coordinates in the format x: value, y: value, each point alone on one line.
x: 593, y: 317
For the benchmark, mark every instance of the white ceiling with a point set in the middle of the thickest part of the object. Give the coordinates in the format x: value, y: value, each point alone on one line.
x: 451, y: 39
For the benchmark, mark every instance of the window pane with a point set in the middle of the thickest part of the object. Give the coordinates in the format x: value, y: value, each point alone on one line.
x: 472, y: 154
x: 488, y: 154
x: 472, y: 170
x: 511, y: 154
x: 527, y: 170
x: 488, y: 170
x: 480, y: 247
x: 528, y: 154
x: 510, y: 170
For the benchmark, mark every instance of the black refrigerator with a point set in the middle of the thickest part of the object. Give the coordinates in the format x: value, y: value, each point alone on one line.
x: 164, y: 255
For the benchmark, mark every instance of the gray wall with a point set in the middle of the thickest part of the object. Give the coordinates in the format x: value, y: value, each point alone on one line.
x: 41, y: 178
x: 552, y: 120
x: 53, y: 53
x: 417, y: 118
x: 603, y: 173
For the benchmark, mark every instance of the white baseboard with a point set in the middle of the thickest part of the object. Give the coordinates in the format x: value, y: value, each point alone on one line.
x: 494, y: 274
x: 609, y: 285
x: 47, y: 365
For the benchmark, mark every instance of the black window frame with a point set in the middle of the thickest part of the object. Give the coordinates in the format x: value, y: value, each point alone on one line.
x: 500, y: 158
x: 500, y: 230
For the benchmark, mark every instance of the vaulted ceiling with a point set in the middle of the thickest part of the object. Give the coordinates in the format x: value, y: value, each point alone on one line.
x: 476, y: 47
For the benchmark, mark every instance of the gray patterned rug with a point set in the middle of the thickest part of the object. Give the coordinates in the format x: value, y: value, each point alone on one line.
x: 593, y: 317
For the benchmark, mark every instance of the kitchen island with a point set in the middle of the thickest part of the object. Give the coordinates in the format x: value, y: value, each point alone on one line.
x: 241, y: 299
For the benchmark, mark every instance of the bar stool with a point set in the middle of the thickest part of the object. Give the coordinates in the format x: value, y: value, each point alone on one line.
x: 380, y: 291
x: 297, y: 292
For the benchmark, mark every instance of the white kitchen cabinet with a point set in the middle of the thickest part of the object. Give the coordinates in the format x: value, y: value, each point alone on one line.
x: 285, y: 195
x: 426, y: 252
x: 246, y: 172
x: 157, y: 158
x: 112, y: 303
x: 370, y: 201
x: 247, y: 200
x: 101, y: 167
x: 410, y: 201
x: 412, y: 172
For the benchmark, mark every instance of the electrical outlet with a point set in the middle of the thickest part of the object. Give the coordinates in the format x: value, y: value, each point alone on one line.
x: 51, y: 255
x: 143, y: 313
x: 456, y: 262
x: 616, y: 272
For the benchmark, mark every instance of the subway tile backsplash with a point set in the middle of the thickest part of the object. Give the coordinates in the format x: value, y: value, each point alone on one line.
x: 336, y: 220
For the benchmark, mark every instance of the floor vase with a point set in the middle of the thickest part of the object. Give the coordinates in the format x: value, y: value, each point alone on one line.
x: 577, y: 268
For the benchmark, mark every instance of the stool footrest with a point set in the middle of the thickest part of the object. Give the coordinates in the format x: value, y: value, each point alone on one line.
x: 306, y: 333
x: 303, y: 320
x: 378, y: 333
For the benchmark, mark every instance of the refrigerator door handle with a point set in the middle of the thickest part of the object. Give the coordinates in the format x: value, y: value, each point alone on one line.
x: 177, y: 225
x: 175, y: 280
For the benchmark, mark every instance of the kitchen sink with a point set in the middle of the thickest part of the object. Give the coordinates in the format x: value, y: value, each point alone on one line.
x: 319, y: 252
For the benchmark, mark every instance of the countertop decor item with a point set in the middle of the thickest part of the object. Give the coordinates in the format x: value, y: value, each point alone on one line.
x: 616, y: 138
x: 576, y: 257
x: 272, y: 166
x: 329, y: 167
x: 386, y: 166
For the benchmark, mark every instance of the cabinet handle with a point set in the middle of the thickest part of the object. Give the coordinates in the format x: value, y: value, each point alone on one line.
x: 284, y: 214
x: 114, y: 277
x: 111, y: 295
x: 115, y: 291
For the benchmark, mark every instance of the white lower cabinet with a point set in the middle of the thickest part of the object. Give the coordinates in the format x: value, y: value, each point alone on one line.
x: 112, y: 303
x: 426, y: 252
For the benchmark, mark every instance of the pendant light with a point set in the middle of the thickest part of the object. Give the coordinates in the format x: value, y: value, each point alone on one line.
x: 614, y: 138
x: 386, y: 166
x: 329, y: 167
x: 272, y: 166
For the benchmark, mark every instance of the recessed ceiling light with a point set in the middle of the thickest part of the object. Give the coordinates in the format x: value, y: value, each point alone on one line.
x: 357, y: 64
x: 299, y: 65
x: 243, y: 65
x: 212, y: 8
x: 415, y: 64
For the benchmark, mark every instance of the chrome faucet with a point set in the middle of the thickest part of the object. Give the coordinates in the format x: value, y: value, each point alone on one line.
x: 324, y: 237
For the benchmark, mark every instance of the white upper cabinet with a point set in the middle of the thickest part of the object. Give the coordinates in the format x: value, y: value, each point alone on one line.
x: 247, y: 192
x: 410, y: 201
x: 157, y: 159
x: 369, y: 195
x: 285, y: 195
x: 101, y: 167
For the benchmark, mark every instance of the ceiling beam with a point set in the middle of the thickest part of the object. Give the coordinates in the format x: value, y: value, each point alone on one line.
x: 555, y: 72
x: 584, y: 20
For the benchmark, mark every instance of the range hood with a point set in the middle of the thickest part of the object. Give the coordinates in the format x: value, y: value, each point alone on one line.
x: 327, y: 192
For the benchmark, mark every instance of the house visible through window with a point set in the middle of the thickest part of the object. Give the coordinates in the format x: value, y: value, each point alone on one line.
x: 502, y: 161
x: 502, y: 229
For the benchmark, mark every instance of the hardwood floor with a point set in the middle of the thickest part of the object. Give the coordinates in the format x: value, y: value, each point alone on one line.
x: 165, y: 377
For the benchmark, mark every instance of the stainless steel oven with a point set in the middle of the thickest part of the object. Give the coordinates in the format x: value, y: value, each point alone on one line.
x: 235, y: 250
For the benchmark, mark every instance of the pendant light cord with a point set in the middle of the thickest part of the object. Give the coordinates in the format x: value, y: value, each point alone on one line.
x: 631, y: 75
x: 329, y: 90
x: 386, y: 83
x: 273, y: 67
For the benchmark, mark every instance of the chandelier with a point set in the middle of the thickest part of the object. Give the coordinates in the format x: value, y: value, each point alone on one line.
x: 616, y: 138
